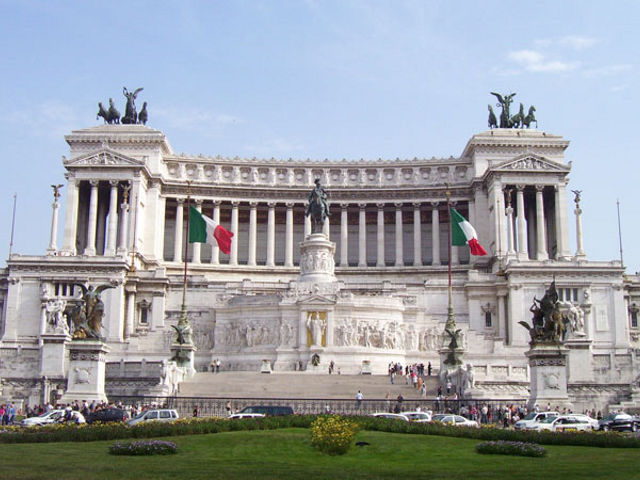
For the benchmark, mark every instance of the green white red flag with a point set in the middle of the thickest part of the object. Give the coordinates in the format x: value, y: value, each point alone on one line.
x: 463, y: 233
x: 203, y: 229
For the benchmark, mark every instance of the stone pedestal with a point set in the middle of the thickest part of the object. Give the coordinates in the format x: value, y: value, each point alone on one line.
x: 548, y: 372
x: 265, y: 367
x: 579, y: 364
x: 52, y: 355
x: 86, y: 371
x: 316, y: 259
x: 184, y: 356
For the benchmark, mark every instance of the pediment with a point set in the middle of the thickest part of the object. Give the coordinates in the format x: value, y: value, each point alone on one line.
x: 105, y: 157
x: 316, y: 299
x: 531, y: 163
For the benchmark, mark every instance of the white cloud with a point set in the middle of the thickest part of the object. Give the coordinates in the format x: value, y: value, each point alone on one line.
x: 608, y: 70
x: 51, y: 119
x: 575, y: 42
x: 534, y: 61
x: 195, y: 118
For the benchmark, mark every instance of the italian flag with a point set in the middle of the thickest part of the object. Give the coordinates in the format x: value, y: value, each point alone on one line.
x: 463, y: 233
x: 203, y: 229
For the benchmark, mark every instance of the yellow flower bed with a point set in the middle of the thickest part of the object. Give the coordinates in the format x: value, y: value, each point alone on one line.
x: 333, y: 434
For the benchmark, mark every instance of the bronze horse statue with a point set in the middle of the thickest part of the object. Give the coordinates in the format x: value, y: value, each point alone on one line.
x: 530, y: 117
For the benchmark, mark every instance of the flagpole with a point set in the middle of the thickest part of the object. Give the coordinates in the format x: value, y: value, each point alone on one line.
x: 620, y: 233
x: 13, y: 223
x: 451, y: 323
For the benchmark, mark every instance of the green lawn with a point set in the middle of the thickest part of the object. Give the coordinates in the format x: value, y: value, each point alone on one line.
x: 287, y: 453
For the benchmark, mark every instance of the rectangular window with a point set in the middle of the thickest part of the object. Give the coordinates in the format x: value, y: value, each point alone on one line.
x: 487, y: 319
x: 634, y: 319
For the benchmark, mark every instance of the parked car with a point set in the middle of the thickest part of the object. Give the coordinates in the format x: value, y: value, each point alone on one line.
x: 72, y: 416
x: 157, y: 415
x: 565, y: 423
x: 420, y: 417
x: 591, y: 421
x: 236, y: 416
x: 619, y: 421
x: 531, y: 420
x: 455, y: 420
x: 270, y: 410
x: 46, y: 418
x: 391, y: 416
x: 108, y: 415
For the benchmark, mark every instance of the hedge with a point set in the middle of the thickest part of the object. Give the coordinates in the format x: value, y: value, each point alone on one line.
x: 113, y: 431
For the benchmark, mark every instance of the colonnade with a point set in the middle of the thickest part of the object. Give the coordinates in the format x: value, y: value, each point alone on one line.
x: 379, y: 243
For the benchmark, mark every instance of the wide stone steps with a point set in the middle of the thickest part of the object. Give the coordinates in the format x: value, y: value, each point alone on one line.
x: 299, y: 385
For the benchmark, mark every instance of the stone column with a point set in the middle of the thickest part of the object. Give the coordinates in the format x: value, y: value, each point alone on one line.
x: 71, y: 217
x: 54, y: 224
x: 523, y: 253
x: 417, y: 236
x: 578, y: 212
x: 455, y: 252
x: 541, y: 234
x: 288, y: 245
x: 124, y: 221
x: 380, y: 261
x: 326, y: 227
x: 93, y: 219
x: 562, y: 221
x: 399, y: 236
x: 271, y: 234
x: 362, y: 236
x: 196, y: 247
x: 253, y: 233
x: 113, y: 219
x: 307, y: 224
x: 472, y: 220
x: 435, y: 234
x: 501, y: 326
x: 511, y: 241
x: 344, y: 235
x: 177, y: 234
x: 233, y: 258
x: 215, y: 250
x: 131, y: 311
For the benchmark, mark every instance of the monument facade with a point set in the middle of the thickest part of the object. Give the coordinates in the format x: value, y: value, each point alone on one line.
x: 367, y: 285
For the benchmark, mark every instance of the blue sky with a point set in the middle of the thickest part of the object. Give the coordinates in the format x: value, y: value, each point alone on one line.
x: 323, y: 79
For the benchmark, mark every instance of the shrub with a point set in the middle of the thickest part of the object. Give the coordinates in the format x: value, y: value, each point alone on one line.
x: 333, y: 434
x: 502, y: 447
x: 144, y: 447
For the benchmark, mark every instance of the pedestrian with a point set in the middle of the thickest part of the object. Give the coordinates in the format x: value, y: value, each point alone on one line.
x: 429, y: 368
x: 359, y: 398
x: 196, y: 411
x: 218, y: 363
x: 228, y: 408
x: 213, y: 366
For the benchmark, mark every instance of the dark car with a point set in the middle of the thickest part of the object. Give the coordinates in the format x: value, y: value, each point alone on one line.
x: 108, y: 415
x: 619, y: 421
x: 271, y: 410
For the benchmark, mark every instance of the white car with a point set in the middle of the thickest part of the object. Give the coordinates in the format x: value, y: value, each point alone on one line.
x: 419, y: 417
x: 46, y: 418
x: 565, y: 423
x: 158, y: 415
x: 392, y: 416
x: 531, y: 420
x: 455, y: 420
x: 246, y: 415
x: 591, y: 421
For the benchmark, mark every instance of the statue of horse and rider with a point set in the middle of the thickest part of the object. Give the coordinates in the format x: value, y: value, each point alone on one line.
x: 318, y: 207
x: 131, y: 116
x: 549, y: 322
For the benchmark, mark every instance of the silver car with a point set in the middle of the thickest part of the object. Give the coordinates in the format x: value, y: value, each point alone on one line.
x: 156, y: 415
